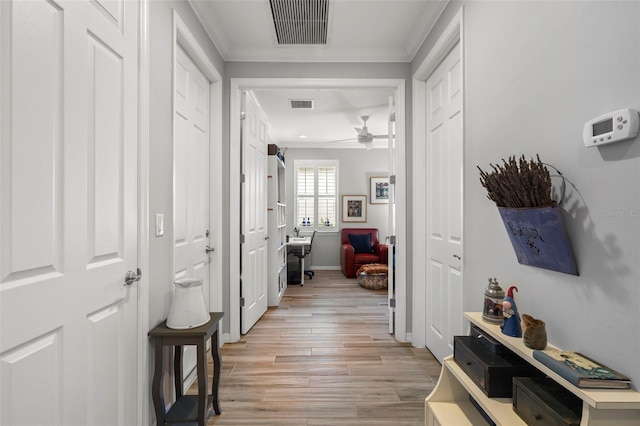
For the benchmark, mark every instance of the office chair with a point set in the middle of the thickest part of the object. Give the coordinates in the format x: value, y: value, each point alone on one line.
x: 304, y: 252
x: 308, y: 272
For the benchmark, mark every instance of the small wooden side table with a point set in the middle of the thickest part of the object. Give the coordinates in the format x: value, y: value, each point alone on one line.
x: 187, y: 408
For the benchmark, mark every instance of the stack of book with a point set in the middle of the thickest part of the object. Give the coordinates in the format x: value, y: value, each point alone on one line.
x: 581, y: 371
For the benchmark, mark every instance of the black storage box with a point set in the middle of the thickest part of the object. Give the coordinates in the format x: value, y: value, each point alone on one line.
x: 543, y: 402
x: 492, y: 373
x: 487, y: 341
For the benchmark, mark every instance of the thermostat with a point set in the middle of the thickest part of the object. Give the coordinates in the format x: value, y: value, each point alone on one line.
x: 613, y: 127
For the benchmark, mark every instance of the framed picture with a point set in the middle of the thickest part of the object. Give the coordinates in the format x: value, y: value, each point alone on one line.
x: 379, y: 190
x: 354, y: 208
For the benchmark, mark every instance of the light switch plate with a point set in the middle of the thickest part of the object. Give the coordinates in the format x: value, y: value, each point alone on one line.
x: 159, y: 225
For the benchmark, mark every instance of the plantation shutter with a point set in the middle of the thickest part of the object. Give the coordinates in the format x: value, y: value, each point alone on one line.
x: 317, y: 195
x: 327, y: 177
x: 306, y: 195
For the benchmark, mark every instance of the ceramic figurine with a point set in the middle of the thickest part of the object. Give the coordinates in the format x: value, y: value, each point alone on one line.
x: 511, y: 324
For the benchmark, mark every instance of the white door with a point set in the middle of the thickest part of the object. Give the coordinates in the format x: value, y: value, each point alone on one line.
x: 253, y: 274
x: 68, y: 212
x: 391, y: 296
x: 191, y: 179
x: 444, y: 205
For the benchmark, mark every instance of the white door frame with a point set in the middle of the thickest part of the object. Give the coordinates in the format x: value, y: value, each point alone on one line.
x: 451, y: 35
x: 183, y: 36
x: 241, y: 84
x: 142, y: 403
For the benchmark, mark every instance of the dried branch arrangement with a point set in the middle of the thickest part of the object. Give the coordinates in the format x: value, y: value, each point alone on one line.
x: 518, y: 183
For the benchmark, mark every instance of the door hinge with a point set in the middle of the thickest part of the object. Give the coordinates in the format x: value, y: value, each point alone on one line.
x: 392, y: 239
x: 241, y: 238
x: 242, y: 302
x: 392, y: 303
x: 243, y: 115
x: 243, y: 178
x: 392, y: 117
x: 392, y: 179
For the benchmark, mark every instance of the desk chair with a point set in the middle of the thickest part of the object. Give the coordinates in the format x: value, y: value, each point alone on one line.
x: 304, y: 252
x: 308, y: 272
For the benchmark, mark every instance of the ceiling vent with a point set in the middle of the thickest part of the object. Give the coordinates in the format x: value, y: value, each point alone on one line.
x: 301, y: 103
x: 300, y: 21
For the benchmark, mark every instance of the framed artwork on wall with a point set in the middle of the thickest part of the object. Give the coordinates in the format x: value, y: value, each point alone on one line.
x: 354, y: 208
x: 379, y: 191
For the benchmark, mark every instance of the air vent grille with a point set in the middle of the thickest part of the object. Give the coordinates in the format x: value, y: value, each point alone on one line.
x: 300, y: 21
x: 301, y: 103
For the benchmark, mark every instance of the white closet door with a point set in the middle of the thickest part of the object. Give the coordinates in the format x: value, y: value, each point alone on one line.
x: 68, y: 212
x: 254, y: 214
x: 191, y: 179
x: 444, y: 205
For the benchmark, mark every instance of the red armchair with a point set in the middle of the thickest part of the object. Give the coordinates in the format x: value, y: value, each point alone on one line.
x: 351, y: 259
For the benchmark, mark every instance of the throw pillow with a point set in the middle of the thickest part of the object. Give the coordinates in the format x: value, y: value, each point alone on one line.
x: 361, y: 243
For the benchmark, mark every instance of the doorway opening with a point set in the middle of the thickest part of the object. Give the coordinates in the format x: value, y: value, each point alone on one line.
x: 240, y: 85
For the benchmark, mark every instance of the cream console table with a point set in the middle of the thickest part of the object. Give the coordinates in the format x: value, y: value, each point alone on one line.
x: 449, y: 402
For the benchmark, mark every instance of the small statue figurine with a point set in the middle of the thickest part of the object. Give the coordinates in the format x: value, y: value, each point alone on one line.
x: 511, y: 324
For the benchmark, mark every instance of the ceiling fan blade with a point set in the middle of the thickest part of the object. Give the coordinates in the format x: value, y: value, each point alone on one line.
x: 342, y: 140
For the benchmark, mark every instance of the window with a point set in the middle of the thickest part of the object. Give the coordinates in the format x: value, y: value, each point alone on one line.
x: 316, y: 194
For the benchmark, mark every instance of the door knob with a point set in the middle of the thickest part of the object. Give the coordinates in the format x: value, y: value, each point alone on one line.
x: 131, y: 277
x: 209, y: 249
x: 457, y: 257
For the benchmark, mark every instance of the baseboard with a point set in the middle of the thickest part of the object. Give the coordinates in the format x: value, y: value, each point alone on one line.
x: 325, y: 268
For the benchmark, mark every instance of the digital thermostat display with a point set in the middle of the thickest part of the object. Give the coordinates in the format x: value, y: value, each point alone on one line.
x: 615, y: 126
x: 603, y: 127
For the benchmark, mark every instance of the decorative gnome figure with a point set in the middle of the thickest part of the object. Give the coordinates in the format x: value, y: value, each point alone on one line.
x: 511, y: 324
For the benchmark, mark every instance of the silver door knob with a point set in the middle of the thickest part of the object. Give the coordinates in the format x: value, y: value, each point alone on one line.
x: 209, y: 249
x: 131, y: 277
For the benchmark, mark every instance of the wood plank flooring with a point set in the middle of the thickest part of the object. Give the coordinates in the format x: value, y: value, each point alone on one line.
x: 324, y: 357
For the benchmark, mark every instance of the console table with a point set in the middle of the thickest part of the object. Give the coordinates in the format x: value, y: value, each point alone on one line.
x: 448, y: 403
x: 187, y: 408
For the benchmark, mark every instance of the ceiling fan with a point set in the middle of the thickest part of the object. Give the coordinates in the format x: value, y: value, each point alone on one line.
x: 364, y: 136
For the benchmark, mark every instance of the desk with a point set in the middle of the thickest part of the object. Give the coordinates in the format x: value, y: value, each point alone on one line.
x: 187, y: 408
x: 300, y: 243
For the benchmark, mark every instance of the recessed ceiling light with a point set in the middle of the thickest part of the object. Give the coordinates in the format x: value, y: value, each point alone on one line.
x: 302, y: 136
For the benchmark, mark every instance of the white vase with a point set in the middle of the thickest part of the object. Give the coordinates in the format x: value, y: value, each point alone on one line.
x: 187, y: 309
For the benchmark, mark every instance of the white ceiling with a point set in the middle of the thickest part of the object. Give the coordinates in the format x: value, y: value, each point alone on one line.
x: 335, y: 115
x: 358, y: 31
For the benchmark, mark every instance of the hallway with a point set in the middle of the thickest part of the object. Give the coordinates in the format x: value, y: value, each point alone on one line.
x: 324, y: 357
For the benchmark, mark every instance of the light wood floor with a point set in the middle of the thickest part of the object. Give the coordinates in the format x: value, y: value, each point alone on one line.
x: 325, y: 357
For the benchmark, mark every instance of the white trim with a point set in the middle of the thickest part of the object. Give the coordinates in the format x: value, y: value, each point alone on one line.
x: 451, y: 35
x: 183, y: 36
x: 142, y: 403
x: 400, y: 193
x: 237, y: 85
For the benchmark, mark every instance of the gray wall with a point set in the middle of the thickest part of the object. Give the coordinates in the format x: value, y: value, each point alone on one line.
x: 355, y: 168
x: 535, y: 72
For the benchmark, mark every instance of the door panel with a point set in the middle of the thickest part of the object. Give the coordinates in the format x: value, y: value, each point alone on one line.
x: 191, y: 180
x: 254, y: 214
x: 444, y: 205
x: 68, y: 212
